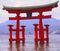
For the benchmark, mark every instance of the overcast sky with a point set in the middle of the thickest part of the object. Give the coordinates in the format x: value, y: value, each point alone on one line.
x: 4, y: 14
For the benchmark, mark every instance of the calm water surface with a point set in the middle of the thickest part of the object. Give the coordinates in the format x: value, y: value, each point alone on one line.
x: 54, y: 44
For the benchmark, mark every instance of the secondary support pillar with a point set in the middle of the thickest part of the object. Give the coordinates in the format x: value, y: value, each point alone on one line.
x: 10, y: 33
x: 23, y: 33
x: 47, y: 33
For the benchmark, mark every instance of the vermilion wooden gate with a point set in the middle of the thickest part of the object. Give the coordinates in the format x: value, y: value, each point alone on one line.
x: 29, y: 11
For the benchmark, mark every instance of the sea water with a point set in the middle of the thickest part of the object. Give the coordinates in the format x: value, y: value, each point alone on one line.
x: 54, y: 44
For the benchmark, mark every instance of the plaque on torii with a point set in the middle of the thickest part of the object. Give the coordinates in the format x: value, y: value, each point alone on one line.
x: 29, y: 10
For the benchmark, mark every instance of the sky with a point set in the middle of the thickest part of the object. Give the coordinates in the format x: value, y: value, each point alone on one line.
x: 4, y: 15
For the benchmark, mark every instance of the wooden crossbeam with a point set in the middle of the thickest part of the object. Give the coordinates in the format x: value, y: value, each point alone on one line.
x: 15, y: 39
x: 44, y: 39
x: 16, y: 30
x: 34, y: 17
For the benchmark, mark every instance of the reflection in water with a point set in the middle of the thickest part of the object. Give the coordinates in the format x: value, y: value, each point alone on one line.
x: 41, y: 47
x: 10, y: 47
x: 53, y: 45
x: 16, y: 47
x: 37, y: 47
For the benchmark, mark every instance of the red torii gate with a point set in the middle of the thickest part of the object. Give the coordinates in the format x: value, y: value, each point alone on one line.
x: 30, y: 10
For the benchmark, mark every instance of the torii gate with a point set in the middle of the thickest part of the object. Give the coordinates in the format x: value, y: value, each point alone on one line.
x: 29, y: 11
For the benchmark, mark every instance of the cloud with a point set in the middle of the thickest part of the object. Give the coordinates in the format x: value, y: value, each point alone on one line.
x: 3, y: 16
x: 7, y: 2
x: 56, y: 12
